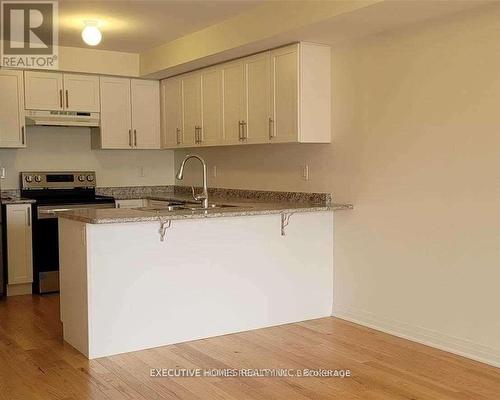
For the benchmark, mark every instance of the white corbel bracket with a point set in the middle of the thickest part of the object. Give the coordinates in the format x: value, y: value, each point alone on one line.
x: 164, y: 225
x: 285, y: 220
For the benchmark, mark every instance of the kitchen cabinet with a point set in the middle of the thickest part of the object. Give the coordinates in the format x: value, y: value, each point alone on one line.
x: 19, y: 249
x: 81, y: 92
x: 284, y: 94
x: 233, y: 79
x: 43, y: 90
x: 301, y: 94
x: 278, y: 96
x: 255, y: 127
x: 116, y: 117
x: 145, y: 100
x: 130, y: 116
x: 211, y: 107
x: 171, y: 112
x: 191, y: 109
x: 55, y: 91
x: 12, y: 127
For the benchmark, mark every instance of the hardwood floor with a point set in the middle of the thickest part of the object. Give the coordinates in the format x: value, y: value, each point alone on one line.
x: 35, y: 363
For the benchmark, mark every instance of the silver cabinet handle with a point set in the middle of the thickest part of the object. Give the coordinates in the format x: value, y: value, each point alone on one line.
x: 244, y: 130
x: 197, y: 134
x: 178, y: 135
x: 60, y: 98
x: 135, y: 137
x: 200, y: 134
x: 29, y: 216
x: 271, y: 128
x: 130, y: 137
x: 67, y: 100
x: 240, y: 126
x: 23, y: 136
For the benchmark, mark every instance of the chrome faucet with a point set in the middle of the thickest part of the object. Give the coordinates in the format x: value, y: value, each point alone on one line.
x: 203, y: 197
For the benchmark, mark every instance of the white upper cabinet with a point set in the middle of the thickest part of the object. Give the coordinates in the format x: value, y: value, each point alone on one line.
x: 81, y: 93
x: 55, y: 91
x: 145, y: 97
x: 130, y: 114
x: 284, y: 122
x: 278, y: 96
x: 233, y: 89
x: 301, y: 93
x: 191, y: 106
x: 256, y: 125
x: 12, y: 128
x: 43, y: 90
x: 116, y: 118
x: 171, y: 112
x: 211, y: 100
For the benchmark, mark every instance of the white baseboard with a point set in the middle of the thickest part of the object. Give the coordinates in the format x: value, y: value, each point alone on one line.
x: 19, y: 289
x: 465, y: 348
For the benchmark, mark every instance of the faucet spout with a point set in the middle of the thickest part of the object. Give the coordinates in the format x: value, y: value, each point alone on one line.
x: 203, y: 196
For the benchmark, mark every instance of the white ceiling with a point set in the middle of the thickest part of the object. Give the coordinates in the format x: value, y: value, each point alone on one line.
x: 136, y: 25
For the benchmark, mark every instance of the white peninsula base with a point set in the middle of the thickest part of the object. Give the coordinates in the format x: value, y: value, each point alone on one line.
x: 122, y: 289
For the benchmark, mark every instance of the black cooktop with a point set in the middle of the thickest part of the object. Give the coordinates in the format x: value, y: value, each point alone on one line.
x: 65, y: 196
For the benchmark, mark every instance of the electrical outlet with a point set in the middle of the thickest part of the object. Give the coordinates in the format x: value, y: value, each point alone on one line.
x: 214, y: 171
x: 142, y: 172
x: 304, y: 172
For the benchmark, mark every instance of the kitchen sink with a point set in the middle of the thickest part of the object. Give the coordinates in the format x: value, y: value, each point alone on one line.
x: 184, y: 206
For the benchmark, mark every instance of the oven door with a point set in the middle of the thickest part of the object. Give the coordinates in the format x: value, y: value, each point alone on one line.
x: 46, y: 244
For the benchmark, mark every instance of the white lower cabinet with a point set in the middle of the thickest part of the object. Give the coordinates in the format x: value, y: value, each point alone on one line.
x: 19, y: 249
x: 278, y: 96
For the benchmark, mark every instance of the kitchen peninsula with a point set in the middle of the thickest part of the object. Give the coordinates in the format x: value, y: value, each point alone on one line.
x: 133, y: 279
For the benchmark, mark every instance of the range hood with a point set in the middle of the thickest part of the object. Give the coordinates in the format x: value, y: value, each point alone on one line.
x: 62, y: 118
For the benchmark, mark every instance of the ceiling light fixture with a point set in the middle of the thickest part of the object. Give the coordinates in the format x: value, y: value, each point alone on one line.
x: 91, y: 33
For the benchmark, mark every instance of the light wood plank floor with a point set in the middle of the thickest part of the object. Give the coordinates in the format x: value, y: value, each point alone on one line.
x: 35, y: 363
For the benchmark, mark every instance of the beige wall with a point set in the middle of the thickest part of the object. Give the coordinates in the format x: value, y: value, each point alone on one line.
x: 417, y: 150
x: 57, y: 148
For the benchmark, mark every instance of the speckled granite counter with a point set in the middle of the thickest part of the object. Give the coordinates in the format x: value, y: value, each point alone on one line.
x: 13, y: 197
x: 241, y: 202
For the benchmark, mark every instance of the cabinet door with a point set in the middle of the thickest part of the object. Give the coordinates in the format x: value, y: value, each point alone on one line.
x: 145, y: 114
x: 43, y: 90
x: 233, y: 83
x: 116, y: 128
x: 258, y: 99
x: 19, y: 253
x: 284, y: 94
x: 12, y: 109
x: 81, y: 93
x: 171, y: 112
x: 211, y: 95
x: 191, y: 105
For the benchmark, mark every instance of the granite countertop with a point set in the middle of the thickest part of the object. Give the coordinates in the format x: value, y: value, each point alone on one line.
x: 240, y: 207
x: 16, y: 200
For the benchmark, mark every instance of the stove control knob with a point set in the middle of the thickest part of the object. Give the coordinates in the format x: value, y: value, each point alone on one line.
x: 28, y: 178
x: 90, y: 178
x: 81, y: 178
x: 38, y: 178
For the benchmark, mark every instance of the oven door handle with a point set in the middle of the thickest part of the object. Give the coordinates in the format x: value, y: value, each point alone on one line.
x: 51, y: 212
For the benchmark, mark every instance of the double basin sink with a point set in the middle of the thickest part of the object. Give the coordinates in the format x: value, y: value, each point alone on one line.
x: 182, y: 205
